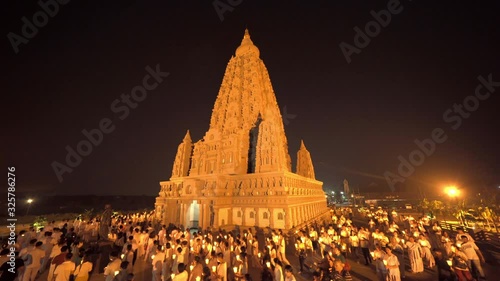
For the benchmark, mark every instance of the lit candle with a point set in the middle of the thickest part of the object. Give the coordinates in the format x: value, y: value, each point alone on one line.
x: 296, y: 246
x: 449, y: 262
x: 173, y: 256
x: 198, y: 278
x: 232, y: 248
x: 372, y: 253
x: 385, y: 262
x: 191, y: 267
x: 172, y: 276
x: 123, y: 255
x: 116, y: 272
x: 225, y: 236
x: 235, y: 269
x: 214, y: 268
x: 152, y: 257
x: 343, y: 247
x: 331, y: 254
x: 268, y: 264
x: 238, y: 257
x: 258, y: 255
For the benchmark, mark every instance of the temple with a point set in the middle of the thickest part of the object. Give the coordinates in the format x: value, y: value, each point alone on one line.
x: 240, y: 172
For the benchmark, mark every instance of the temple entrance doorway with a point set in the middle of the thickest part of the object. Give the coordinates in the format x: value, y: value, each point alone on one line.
x: 192, y: 218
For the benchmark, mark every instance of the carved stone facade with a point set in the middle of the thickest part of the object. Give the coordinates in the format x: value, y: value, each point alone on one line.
x: 240, y: 172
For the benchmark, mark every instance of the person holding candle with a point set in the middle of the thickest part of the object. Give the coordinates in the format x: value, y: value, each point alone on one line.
x: 278, y: 270
x: 122, y: 274
x: 197, y: 270
x: 281, y: 248
x: 398, y: 251
x: 445, y: 273
x: 157, y: 262
x: 182, y: 274
x: 415, y: 255
x: 221, y: 269
x: 392, y: 264
x: 129, y: 256
x: 426, y: 250
x: 378, y: 257
x: 266, y: 272
x: 168, y: 262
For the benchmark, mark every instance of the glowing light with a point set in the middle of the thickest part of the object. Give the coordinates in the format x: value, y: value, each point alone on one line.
x: 30, y: 201
x: 452, y: 191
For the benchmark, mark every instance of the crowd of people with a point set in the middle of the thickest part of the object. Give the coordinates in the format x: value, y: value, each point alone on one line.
x: 325, y: 250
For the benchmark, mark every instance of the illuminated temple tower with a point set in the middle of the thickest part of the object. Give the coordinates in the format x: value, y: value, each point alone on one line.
x: 240, y: 172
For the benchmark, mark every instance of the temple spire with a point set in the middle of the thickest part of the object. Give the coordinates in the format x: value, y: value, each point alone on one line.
x: 247, y: 47
x: 187, y: 137
x: 302, y: 145
x: 305, y: 166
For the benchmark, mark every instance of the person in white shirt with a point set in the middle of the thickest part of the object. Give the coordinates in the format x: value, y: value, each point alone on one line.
x: 278, y: 270
x: 113, y: 266
x: 157, y: 261
x: 82, y: 271
x: 64, y: 270
x: 289, y: 273
x: 221, y: 270
x: 182, y: 275
x: 474, y: 255
x: 37, y: 255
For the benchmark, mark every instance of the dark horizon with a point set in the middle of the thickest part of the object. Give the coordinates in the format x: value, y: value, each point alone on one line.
x: 356, y: 118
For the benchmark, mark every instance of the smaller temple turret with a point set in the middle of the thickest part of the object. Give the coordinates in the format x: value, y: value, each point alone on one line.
x: 304, y: 162
x: 183, y: 157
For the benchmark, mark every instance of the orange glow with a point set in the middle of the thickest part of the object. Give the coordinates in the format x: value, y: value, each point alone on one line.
x: 452, y: 191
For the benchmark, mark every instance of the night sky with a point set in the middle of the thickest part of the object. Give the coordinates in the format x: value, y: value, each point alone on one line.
x: 355, y: 118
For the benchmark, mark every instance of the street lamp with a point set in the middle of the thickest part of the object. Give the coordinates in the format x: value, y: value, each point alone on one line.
x: 29, y: 205
x: 452, y: 191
